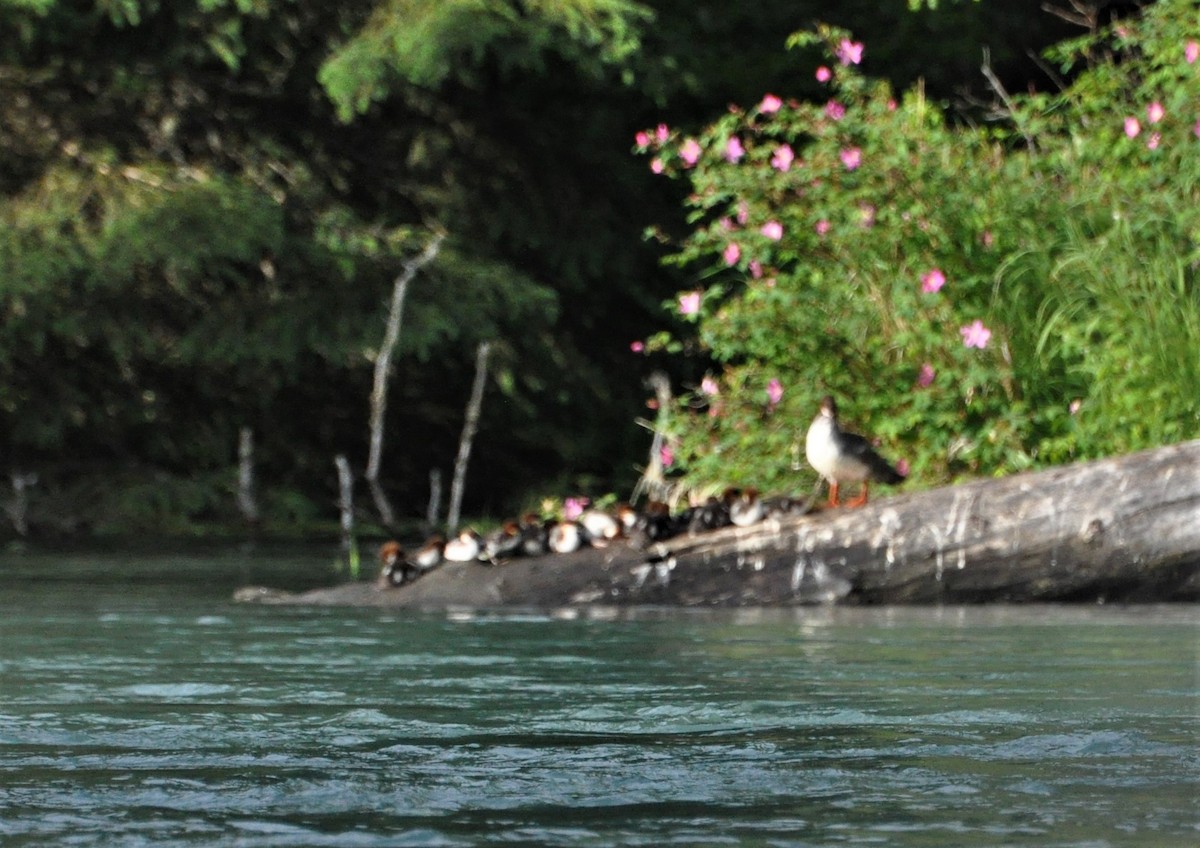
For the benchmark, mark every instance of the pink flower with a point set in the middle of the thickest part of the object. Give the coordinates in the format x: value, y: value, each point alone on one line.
x: 637, y: 346
x: 743, y: 213
x: 849, y: 52
x: 903, y: 467
x: 1132, y: 127
x: 773, y: 230
x: 836, y: 111
x: 1154, y: 140
x: 822, y: 227
x: 662, y: 133
x: 574, y: 507
x: 987, y: 239
x: 783, y: 158
x: 732, y: 253
x: 891, y: 104
x: 690, y: 152
x: 932, y: 280
x: 1155, y: 112
x: 975, y: 334
x: 926, y: 375
x: 642, y: 139
x: 824, y: 74
x: 709, y: 387
x: 851, y: 157
x: 734, y: 150
x: 666, y: 456
x: 1191, y: 51
x: 689, y: 303
x: 1074, y: 405
x: 774, y: 391
x: 725, y: 224
x: 656, y: 165
x: 755, y: 269
x: 770, y: 104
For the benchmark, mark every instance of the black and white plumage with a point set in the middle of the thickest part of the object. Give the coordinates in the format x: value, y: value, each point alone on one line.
x: 843, y: 457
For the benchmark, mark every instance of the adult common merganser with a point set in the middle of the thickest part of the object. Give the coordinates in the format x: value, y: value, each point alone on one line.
x: 843, y: 457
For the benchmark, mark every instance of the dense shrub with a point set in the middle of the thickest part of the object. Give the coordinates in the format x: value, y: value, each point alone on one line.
x: 981, y: 299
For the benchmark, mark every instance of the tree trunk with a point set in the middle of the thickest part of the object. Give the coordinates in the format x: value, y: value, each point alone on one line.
x: 468, y: 436
x: 345, y: 500
x: 247, y: 503
x: 18, y: 507
x: 433, y: 512
x: 383, y: 367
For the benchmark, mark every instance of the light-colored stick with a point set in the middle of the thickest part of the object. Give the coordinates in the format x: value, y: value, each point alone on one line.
x: 468, y: 435
x: 383, y: 367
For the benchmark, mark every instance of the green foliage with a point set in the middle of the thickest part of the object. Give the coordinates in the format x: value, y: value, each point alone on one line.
x: 980, y: 305
x: 425, y: 43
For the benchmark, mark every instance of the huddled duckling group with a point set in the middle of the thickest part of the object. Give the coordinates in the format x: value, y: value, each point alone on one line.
x: 838, y: 455
x: 531, y: 536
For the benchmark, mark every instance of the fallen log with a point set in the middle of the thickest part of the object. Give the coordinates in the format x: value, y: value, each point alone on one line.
x: 1123, y: 529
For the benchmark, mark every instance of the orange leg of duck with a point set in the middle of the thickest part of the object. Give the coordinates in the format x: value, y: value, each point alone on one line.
x: 861, y: 499
x: 833, y: 493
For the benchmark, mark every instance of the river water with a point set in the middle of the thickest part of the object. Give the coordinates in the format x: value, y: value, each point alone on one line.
x: 139, y: 706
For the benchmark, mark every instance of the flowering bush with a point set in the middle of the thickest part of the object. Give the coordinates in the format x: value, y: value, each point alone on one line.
x: 923, y: 273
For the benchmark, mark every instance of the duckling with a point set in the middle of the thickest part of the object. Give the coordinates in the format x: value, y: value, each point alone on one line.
x: 430, y: 554
x: 465, y: 547
x: 503, y: 542
x: 534, y: 533
x: 746, y: 508
x: 394, y: 567
x: 601, y: 527
x: 566, y: 537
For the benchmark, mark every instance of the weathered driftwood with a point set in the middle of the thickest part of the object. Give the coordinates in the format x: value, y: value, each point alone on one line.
x: 1124, y: 529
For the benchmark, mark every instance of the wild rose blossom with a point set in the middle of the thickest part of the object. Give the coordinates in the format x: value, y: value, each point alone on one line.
x: 1155, y: 112
x: 851, y: 157
x: 708, y: 386
x: 1132, y: 127
x: 743, y: 212
x: 926, y: 375
x: 690, y: 152
x: 824, y: 74
x: 637, y: 346
x: 975, y: 334
x: 835, y: 111
x: 770, y: 104
x: 783, y: 157
x: 734, y: 150
x: 661, y: 133
x: 689, y: 303
x: 732, y: 253
x: 822, y: 227
x: 574, y: 507
x: 849, y: 52
x: 932, y: 280
x: 656, y: 165
x: 1154, y: 140
x: 641, y: 138
x: 774, y: 392
x: 756, y: 269
x: 773, y: 230
x: 666, y: 456
x: 1191, y: 51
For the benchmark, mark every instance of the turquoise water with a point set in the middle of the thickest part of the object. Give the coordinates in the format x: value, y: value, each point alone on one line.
x: 138, y: 706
